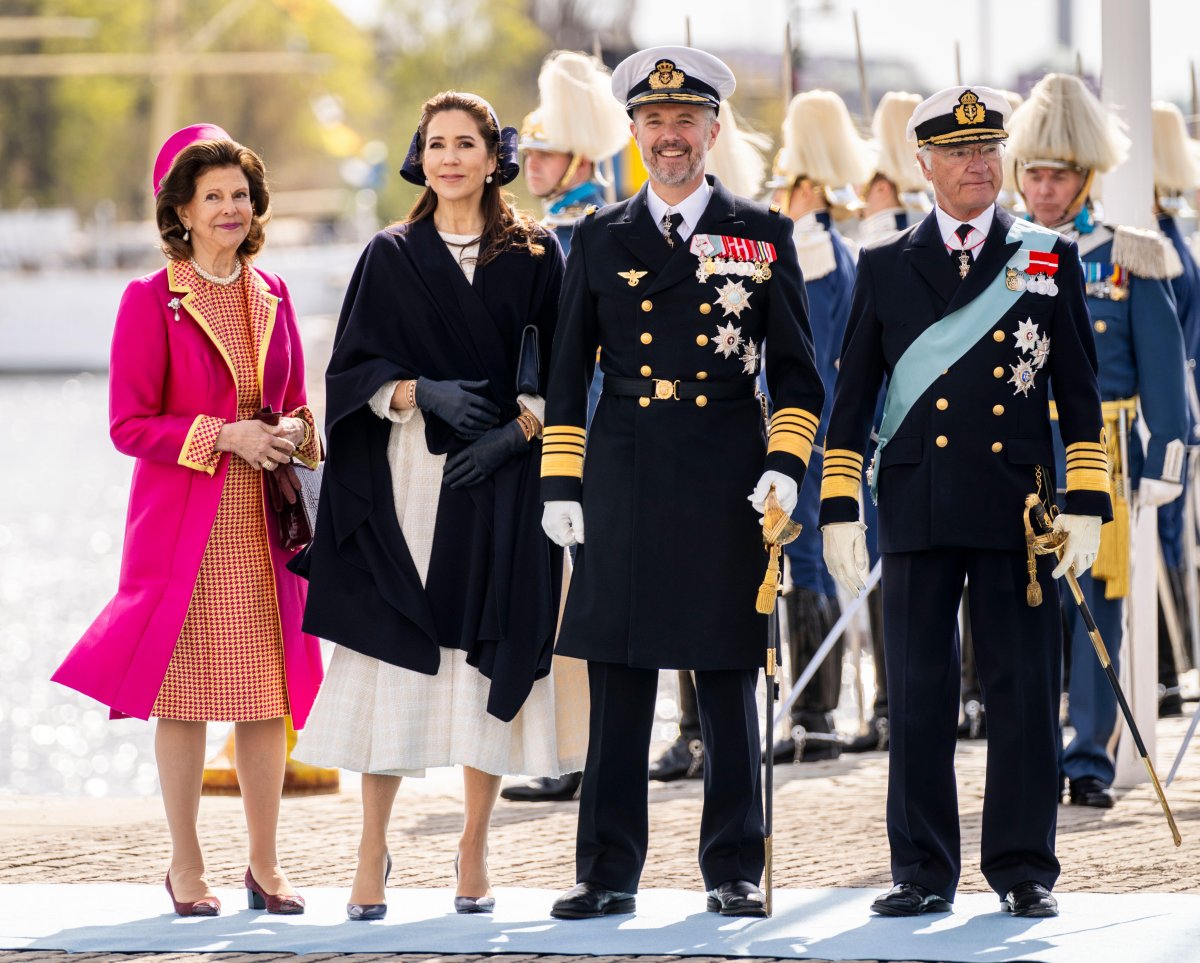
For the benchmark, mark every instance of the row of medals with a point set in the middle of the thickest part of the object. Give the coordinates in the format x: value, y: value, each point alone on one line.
x: 757, y: 271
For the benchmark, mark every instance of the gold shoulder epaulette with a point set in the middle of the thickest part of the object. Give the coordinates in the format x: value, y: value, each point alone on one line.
x: 775, y: 208
x: 591, y: 209
x: 1146, y: 254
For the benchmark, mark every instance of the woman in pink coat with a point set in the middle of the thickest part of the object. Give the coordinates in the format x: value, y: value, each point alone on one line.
x: 205, y: 625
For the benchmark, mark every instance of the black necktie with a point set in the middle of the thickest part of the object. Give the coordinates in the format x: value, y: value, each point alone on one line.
x: 961, y: 257
x: 669, y: 225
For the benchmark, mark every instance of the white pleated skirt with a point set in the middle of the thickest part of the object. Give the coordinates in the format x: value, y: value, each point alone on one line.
x: 371, y: 716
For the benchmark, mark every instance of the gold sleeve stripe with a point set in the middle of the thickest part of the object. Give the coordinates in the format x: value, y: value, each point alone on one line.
x: 791, y: 443
x: 795, y: 416
x: 562, y: 451
x: 558, y: 466
x: 1087, y: 479
x: 566, y: 431
x: 843, y: 456
x: 1084, y: 446
x: 840, y: 485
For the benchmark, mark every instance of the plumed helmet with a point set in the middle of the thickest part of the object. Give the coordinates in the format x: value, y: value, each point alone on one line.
x: 895, y: 154
x: 1064, y: 125
x: 738, y: 158
x: 820, y: 142
x: 576, y: 114
x: 1174, y: 164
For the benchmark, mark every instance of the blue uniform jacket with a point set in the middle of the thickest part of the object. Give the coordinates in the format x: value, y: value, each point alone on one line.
x: 959, y: 466
x: 828, y: 309
x: 564, y: 211
x: 1139, y: 348
x: 1186, y: 288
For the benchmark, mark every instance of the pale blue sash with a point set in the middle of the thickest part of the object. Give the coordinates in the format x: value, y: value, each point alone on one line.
x: 948, y: 339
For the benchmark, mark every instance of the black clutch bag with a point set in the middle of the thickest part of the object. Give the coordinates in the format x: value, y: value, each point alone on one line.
x: 528, y: 362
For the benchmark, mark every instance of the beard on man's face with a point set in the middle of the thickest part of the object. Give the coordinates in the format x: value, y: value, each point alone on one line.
x: 672, y: 171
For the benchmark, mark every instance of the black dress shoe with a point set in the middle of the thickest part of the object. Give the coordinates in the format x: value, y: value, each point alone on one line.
x: 545, y: 789
x: 873, y: 740
x: 1029, y: 899
x: 909, y: 899
x: 682, y: 759
x: 585, y: 901
x: 1090, y: 791
x: 738, y: 897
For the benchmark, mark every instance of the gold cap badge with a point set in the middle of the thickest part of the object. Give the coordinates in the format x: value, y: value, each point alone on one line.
x: 664, y: 76
x: 969, y: 109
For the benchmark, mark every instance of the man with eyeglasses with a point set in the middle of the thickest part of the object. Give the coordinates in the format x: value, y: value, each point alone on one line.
x: 959, y: 313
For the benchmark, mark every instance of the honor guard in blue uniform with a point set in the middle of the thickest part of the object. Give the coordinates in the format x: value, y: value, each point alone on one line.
x: 821, y: 151
x: 576, y: 125
x: 895, y: 194
x: 1062, y: 136
x: 680, y: 286
x: 955, y: 314
x: 1176, y: 177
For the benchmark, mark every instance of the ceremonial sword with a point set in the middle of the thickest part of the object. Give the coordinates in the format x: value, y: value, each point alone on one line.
x: 1050, y: 542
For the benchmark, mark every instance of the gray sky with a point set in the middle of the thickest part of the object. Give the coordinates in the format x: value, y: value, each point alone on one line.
x: 998, y: 38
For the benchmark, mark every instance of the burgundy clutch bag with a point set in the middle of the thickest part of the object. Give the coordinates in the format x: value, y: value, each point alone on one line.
x: 293, y: 525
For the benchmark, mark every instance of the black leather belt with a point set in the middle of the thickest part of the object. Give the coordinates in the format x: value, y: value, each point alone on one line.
x: 661, y: 389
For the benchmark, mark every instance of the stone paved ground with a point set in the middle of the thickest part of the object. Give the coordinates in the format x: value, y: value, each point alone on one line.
x: 828, y: 832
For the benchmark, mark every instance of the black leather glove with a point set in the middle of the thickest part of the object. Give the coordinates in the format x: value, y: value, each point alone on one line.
x: 480, y: 459
x: 456, y: 403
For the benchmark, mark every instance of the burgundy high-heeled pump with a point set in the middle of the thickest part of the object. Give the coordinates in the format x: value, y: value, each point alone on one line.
x: 290, y: 905
x: 209, y: 906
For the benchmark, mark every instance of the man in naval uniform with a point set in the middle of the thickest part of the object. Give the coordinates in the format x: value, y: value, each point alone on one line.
x: 680, y: 286
x: 965, y: 437
x: 1062, y: 136
x: 576, y: 125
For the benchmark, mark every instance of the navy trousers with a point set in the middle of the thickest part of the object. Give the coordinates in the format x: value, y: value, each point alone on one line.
x: 610, y: 847
x: 1018, y: 654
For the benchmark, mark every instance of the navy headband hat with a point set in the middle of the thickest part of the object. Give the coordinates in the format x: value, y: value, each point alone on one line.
x: 507, y: 168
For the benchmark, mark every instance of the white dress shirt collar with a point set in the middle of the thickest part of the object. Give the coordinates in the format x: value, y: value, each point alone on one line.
x: 691, y: 207
x: 981, y: 223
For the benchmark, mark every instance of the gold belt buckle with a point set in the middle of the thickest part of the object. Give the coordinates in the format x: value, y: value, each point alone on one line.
x: 666, y: 390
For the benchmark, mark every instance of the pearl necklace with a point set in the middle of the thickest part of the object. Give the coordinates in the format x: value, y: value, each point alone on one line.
x: 223, y: 282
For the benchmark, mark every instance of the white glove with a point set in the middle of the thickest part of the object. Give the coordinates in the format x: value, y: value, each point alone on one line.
x: 1153, y: 492
x: 563, y: 523
x: 846, y: 554
x: 785, y: 490
x: 1082, y: 544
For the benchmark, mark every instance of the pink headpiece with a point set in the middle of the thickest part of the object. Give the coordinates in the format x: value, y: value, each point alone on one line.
x: 177, y: 142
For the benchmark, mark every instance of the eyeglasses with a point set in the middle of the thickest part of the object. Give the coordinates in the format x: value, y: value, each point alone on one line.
x: 964, y: 155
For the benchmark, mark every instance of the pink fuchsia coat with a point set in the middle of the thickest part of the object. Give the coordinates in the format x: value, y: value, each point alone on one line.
x: 169, y: 378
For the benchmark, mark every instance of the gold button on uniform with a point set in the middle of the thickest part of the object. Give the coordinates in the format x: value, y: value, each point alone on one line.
x: 701, y: 401
x: 701, y: 375
x: 998, y: 409
x: 945, y: 371
x: 1101, y: 327
x: 941, y: 441
x: 705, y: 308
x: 997, y: 372
x: 647, y: 337
x: 942, y: 404
x: 647, y: 305
x: 644, y: 402
x: 646, y: 371
x: 997, y: 447
x: 997, y: 335
x: 702, y: 339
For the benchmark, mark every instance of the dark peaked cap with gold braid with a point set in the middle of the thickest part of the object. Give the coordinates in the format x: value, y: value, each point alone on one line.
x: 960, y: 115
x: 674, y: 75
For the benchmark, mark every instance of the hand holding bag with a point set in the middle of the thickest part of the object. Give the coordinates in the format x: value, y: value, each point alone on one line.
x: 285, y: 491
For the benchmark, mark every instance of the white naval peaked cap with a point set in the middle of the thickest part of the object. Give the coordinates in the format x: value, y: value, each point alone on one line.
x: 738, y: 158
x: 895, y: 153
x: 1064, y: 125
x: 1174, y: 163
x: 676, y: 75
x: 960, y: 115
x: 821, y: 143
x: 576, y: 114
